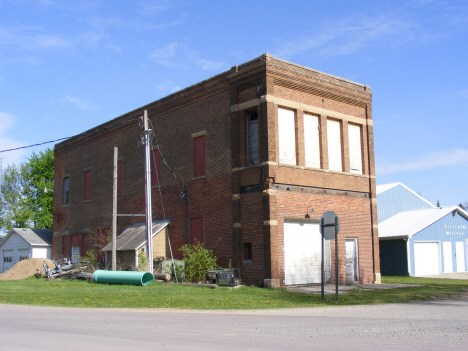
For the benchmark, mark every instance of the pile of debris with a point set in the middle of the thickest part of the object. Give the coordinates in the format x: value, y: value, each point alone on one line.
x: 25, y: 268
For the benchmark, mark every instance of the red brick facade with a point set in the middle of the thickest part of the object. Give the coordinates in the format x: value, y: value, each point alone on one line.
x: 242, y: 206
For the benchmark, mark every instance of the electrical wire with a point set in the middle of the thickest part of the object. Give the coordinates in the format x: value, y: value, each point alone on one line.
x: 160, y: 194
x: 53, y: 141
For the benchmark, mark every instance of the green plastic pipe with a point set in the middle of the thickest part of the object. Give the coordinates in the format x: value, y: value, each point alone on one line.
x: 119, y: 277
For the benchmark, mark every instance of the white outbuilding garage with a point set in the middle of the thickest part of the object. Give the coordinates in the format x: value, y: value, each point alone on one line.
x: 23, y: 243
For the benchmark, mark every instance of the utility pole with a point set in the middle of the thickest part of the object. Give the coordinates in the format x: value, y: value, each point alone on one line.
x: 149, y: 216
x: 114, y: 212
x: 1, y: 170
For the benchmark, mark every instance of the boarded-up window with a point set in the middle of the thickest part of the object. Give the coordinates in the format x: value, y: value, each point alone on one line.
x: 155, y: 167
x: 286, y: 137
x: 66, y: 188
x: 65, y: 246
x: 119, y: 177
x: 252, y: 138
x: 196, y: 230
x: 355, y: 150
x: 311, y: 141
x: 84, y: 244
x: 199, y: 156
x: 334, y: 145
x: 87, y: 185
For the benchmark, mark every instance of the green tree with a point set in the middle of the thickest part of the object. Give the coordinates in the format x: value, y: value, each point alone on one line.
x: 15, y: 209
x: 23, y: 203
x: 40, y: 175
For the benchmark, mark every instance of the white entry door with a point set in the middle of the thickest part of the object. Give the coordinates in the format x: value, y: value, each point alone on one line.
x: 426, y: 258
x: 352, y: 264
x: 448, y: 260
x: 460, y: 255
x: 75, y: 254
x: 303, y: 253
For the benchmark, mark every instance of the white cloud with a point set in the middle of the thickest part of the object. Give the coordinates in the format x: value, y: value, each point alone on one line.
x: 7, y: 122
x: 347, y: 36
x: 167, y: 86
x: 212, y: 65
x: 84, y: 104
x: 455, y: 157
x: 166, y: 55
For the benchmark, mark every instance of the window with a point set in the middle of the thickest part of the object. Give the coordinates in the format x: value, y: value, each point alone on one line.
x: 196, y: 230
x: 252, y: 139
x: 119, y: 177
x: 286, y: 136
x: 311, y: 141
x: 355, y: 151
x: 334, y: 145
x: 87, y: 185
x: 22, y: 258
x: 199, y: 156
x: 7, y: 259
x: 247, y: 252
x: 155, y: 167
x: 66, y: 187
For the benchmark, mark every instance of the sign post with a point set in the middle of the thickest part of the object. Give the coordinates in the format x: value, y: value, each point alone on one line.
x: 329, y: 228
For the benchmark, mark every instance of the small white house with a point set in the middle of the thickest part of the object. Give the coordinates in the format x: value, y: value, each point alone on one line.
x: 23, y: 243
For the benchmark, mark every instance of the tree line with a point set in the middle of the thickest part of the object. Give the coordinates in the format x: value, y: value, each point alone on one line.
x: 23, y: 201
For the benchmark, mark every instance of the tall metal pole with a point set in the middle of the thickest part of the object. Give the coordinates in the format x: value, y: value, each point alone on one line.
x: 322, y: 264
x: 149, y: 216
x: 336, y: 257
x: 114, y: 211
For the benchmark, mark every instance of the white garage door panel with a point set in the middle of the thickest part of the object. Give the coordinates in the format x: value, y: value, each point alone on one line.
x: 426, y: 258
x: 302, y: 253
x: 460, y: 256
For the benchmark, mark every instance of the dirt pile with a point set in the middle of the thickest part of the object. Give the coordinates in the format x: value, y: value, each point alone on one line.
x: 26, y: 268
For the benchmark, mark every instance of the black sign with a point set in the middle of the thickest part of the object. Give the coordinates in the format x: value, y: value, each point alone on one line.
x: 329, y: 225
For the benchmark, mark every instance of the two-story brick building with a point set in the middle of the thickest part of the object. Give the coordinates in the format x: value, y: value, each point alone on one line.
x: 264, y: 150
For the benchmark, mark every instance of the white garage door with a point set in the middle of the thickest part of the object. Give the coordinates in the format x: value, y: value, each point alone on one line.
x: 302, y: 253
x: 426, y: 258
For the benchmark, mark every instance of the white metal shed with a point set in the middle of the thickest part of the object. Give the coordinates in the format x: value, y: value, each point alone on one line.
x: 24, y: 243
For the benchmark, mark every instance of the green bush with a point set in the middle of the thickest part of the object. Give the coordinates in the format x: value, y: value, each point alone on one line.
x: 93, y: 263
x: 197, y: 261
x: 142, y: 261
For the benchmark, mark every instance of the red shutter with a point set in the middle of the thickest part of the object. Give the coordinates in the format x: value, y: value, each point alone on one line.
x: 155, y: 168
x: 196, y: 230
x: 87, y: 189
x: 65, y: 246
x: 199, y: 156
x: 84, y: 244
x: 119, y: 177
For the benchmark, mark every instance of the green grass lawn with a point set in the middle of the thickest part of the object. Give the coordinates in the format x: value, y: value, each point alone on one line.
x: 76, y: 293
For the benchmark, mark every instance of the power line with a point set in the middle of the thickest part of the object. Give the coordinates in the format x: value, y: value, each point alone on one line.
x: 24, y: 147
x: 53, y: 141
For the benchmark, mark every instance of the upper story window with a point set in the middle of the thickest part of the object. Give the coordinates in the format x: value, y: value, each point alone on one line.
x: 199, y: 156
x: 87, y: 185
x: 311, y: 141
x: 286, y: 136
x: 155, y: 167
x: 252, y: 139
x: 335, y: 162
x: 66, y: 187
x: 355, y: 148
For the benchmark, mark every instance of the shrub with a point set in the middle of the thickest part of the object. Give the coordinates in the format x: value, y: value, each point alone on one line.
x: 93, y: 263
x: 197, y: 261
x: 142, y: 261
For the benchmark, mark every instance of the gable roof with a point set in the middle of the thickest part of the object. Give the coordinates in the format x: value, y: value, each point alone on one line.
x: 384, y: 187
x: 409, y: 223
x: 134, y: 236
x: 35, y: 237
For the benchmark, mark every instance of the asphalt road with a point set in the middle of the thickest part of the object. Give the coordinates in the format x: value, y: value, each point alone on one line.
x: 435, y: 325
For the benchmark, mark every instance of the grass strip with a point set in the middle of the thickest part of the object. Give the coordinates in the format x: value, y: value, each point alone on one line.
x: 76, y: 293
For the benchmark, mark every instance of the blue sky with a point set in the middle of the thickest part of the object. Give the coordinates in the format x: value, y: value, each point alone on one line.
x: 67, y: 66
